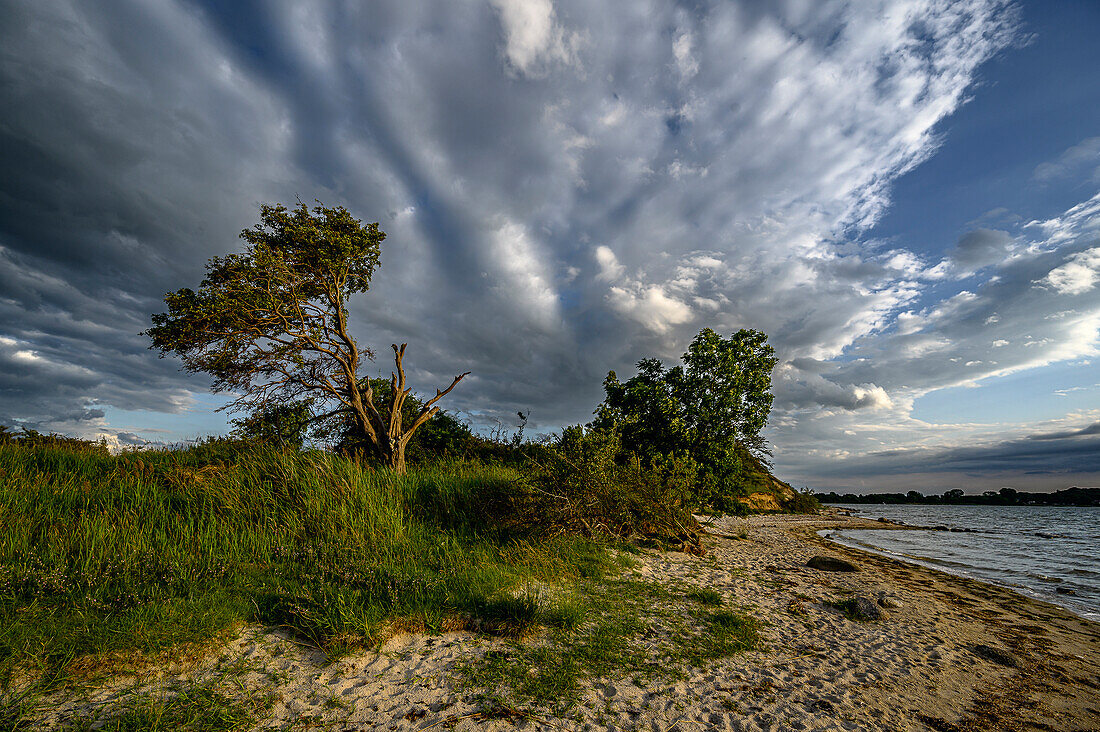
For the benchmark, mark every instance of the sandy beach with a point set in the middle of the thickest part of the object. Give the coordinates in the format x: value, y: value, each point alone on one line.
x: 946, y: 654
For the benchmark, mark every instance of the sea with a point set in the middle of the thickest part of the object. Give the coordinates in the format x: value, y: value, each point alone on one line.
x: 1047, y: 552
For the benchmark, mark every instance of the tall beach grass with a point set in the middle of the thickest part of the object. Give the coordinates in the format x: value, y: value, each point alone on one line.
x: 124, y: 556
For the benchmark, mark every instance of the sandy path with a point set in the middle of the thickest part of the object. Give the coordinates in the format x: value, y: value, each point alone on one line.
x: 916, y: 669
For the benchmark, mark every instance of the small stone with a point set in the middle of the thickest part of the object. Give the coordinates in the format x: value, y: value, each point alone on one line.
x: 996, y: 655
x: 889, y: 602
x: 1064, y: 591
x: 861, y: 608
x: 831, y: 564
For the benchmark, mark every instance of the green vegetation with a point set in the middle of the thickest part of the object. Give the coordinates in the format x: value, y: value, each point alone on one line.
x: 632, y: 629
x: 705, y: 596
x: 111, y: 562
x: 201, y: 709
x: 702, y: 420
x: 128, y: 556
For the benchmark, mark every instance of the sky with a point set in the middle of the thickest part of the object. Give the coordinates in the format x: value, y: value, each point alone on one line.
x: 903, y: 194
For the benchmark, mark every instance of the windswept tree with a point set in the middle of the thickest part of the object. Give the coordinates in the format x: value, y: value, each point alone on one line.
x: 271, y: 324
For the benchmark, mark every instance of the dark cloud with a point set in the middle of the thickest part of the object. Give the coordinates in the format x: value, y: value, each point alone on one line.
x: 1051, y: 458
x: 981, y: 247
x: 129, y: 439
x: 1092, y: 429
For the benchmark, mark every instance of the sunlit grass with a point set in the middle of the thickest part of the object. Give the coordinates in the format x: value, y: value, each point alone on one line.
x: 128, y: 556
x: 622, y: 627
x: 201, y: 709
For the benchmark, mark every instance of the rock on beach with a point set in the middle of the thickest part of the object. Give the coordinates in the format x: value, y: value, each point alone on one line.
x: 831, y: 564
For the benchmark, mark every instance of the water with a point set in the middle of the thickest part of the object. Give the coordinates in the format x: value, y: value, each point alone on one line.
x: 1034, y: 550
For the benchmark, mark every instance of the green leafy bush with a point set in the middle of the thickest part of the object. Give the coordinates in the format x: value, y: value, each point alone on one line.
x: 706, y: 414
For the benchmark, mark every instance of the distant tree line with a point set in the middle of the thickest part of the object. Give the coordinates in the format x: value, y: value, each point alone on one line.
x: 27, y: 437
x: 1005, y: 497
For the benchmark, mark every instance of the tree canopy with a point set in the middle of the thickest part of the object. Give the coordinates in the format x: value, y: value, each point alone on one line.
x: 271, y: 323
x: 709, y: 410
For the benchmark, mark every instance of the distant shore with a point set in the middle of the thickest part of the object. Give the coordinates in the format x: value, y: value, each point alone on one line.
x: 956, y: 497
x: 947, y: 653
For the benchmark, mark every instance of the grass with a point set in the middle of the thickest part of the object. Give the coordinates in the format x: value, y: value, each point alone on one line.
x: 199, y: 709
x: 121, y: 558
x: 206, y: 707
x: 630, y: 628
x: 705, y: 596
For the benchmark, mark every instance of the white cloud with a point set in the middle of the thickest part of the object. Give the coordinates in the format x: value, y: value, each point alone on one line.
x: 681, y: 49
x: 651, y: 306
x: 610, y: 269
x: 533, y: 36
x: 949, y: 343
x: 679, y: 170
x: 1078, y: 275
x: 521, y: 276
x: 872, y: 396
x: 905, y: 262
x: 909, y: 322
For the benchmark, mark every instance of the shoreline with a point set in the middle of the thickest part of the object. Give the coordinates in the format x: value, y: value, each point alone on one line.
x: 1030, y: 592
x: 950, y: 653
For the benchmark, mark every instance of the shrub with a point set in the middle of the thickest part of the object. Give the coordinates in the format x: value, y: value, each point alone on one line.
x: 802, y: 502
x: 582, y: 488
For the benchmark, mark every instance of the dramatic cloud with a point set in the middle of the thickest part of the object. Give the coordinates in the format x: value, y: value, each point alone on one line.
x: 1028, y: 311
x: 566, y: 187
x: 1092, y: 429
x: 1043, y: 461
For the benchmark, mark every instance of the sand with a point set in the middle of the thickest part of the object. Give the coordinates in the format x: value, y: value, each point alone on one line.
x: 921, y: 667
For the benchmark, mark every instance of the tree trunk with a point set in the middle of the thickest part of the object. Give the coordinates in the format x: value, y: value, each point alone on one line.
x: 394, y: 457
x: 389, y: 436
x: 396, y: 460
